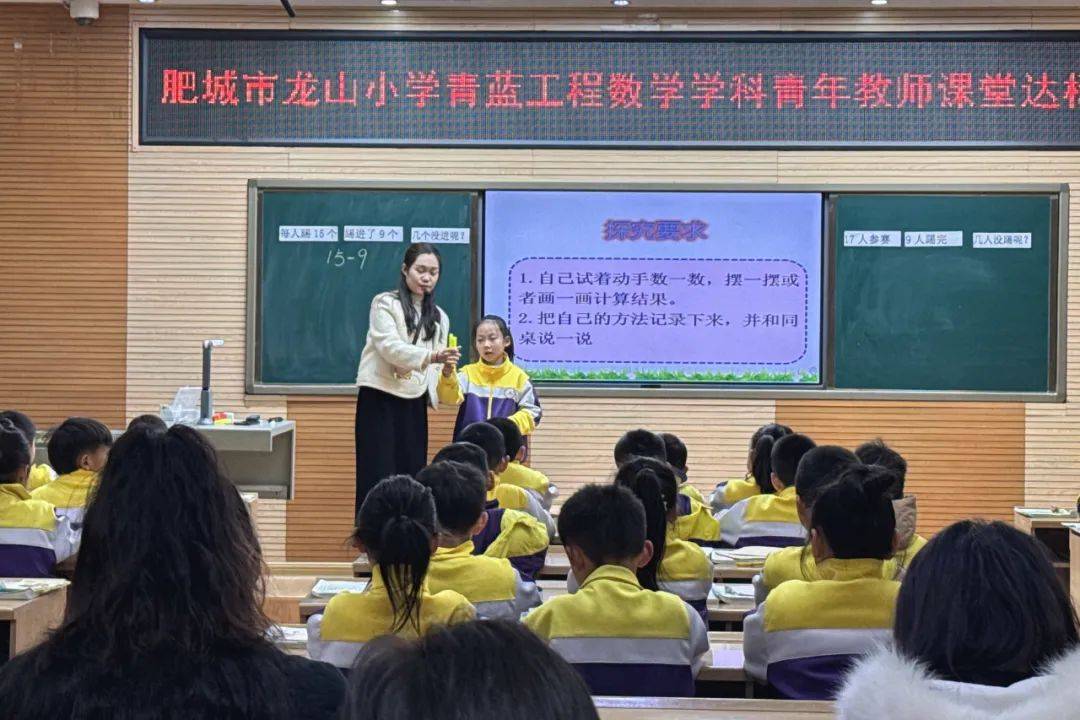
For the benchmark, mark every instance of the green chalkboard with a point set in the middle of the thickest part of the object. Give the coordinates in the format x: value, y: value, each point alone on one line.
x: 315, y: 285
x: 943, y: 317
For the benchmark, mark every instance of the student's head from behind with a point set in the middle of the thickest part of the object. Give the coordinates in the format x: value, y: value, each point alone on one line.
x: 492, y: 339
x: 396, y: 527
x: 639, y: 443
x: 481, y: 670
x: 981, y: 604
x: 490, y: 440
x: 876, y: 452
x: 653, y: 483
x: 853, y: 518
x: 675, y: 451
x: 464, y: 452
x: 25, y: 425
x: 79, y: 444
x: 759, y: 459
x: 604, y: 525
x: 512, y: 437
x: 150, y: 422
x: 169, y: 557
x: 460, y: 493
x: 784, y: 461
x: 15, y: 457
x: 817, y: 468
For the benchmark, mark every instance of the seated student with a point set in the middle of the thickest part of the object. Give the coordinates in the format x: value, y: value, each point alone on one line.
x: 510, y: 534
x: 491, y: 584
x: 816, y: 470
x: 675, y: 450
x: 32, y: 538
x: 494, y: 670
x: 909, y: 543
x: 804, y: 637
x: 521, y: 475
x: 694, y: 521
x: 758, y: 478
x: 984, y: 629
x: 78, y: 449
x: 163, y: 618
x: 151, y: 422
x: 622, y: 638
x: 396, y: 527
x: 677, y: 566
x: 510, y: 497
x: 40, y: 473
x: 773, y: 519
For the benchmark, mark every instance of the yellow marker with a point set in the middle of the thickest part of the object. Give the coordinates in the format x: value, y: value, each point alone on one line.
x: 451, y: 340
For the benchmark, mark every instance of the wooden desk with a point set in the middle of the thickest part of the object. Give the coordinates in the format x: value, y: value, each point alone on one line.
x: 557, y: 566
x: 28, y: 621
x: 722, y: 616
x: 1052, y: 533
x: 650, y: 708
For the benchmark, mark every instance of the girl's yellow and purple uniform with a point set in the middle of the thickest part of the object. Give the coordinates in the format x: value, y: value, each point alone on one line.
x: 33, y: 538
x: 350, y: 620
x: 488, y: 391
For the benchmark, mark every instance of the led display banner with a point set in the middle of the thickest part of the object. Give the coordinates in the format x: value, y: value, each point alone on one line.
x: 630, y: 90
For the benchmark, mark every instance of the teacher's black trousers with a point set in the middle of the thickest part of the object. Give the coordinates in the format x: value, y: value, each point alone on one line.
x: 391, y: 438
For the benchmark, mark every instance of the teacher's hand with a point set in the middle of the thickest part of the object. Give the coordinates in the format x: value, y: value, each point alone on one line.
x: 446, y: 355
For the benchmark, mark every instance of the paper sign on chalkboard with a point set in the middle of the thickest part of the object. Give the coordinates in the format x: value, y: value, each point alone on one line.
x: 871, y: 238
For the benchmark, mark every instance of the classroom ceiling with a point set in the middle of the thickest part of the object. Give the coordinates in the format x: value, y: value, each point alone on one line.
x: 300, y: 5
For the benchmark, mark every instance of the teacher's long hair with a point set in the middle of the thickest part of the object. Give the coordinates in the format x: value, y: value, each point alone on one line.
x: 428, y: 320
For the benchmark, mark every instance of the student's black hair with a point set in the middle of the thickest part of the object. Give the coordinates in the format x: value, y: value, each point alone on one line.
x: 786, y: 454
x: 605, y: 521
x: 855, y: 514
x: 487, y: 438
x: 981, y: 604
x: 481, y: 670
x: 639, y: 443
x: 151, y: 422
x: 819, y: 467
x: 164, y: 617
x: 428, y: 319
x: 72, y: 438
x: 876, y: 452
x: 761, y: 446
x: 512, y: 437
x: 396, y: 525
x: 675, y: 450
x: 14, y: 451
x: 23, y: 422
x: 653, y: 483
x: 460, y: 492
x: 464, y: 452
x: 504, y: 329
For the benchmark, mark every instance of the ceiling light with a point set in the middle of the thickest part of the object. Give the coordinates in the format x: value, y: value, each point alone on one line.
x: 388, y: 3
x: 146, y: 2
x: 879, y: 2
x: 620, y: 3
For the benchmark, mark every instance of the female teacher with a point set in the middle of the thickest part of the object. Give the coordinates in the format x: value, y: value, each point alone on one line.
x: 406, y: 336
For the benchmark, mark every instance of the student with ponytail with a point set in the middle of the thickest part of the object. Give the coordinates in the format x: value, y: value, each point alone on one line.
x: 397, y: 529
x: 804, y: 638
x: 677, y: 566
x: 40, y: 474
x: 758, y: 469
x: 33, y: 539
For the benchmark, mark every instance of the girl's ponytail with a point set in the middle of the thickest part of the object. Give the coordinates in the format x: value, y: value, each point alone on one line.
x: 761, y: 445
x: 654, y: 483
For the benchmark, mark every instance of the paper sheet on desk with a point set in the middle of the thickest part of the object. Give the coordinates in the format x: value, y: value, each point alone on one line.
x: 733, y: 592
x: 330, y: 588
x: 751, y: 555
x: 286, y: 635
x: 727, y: 655
x: 29, y: 588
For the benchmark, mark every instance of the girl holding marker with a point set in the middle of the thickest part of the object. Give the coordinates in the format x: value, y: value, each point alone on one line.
x: 492, y: 387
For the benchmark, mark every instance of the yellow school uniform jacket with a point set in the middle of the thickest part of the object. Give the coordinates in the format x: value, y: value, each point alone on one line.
x: 771, y: 520
x: 694, y: 521
x: 512, y: 497
x: 485, y: 391
x: 40, y: 475
x: 352, y: 619
x: 492, y: 585
x: 692, y: 492
x: 535, y: 481
x: 33, y: 539
x: 69, y: 494
x: 728, y: 493
x: 623, y: 639
x: 803, y: 639
x: 513, y: 535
